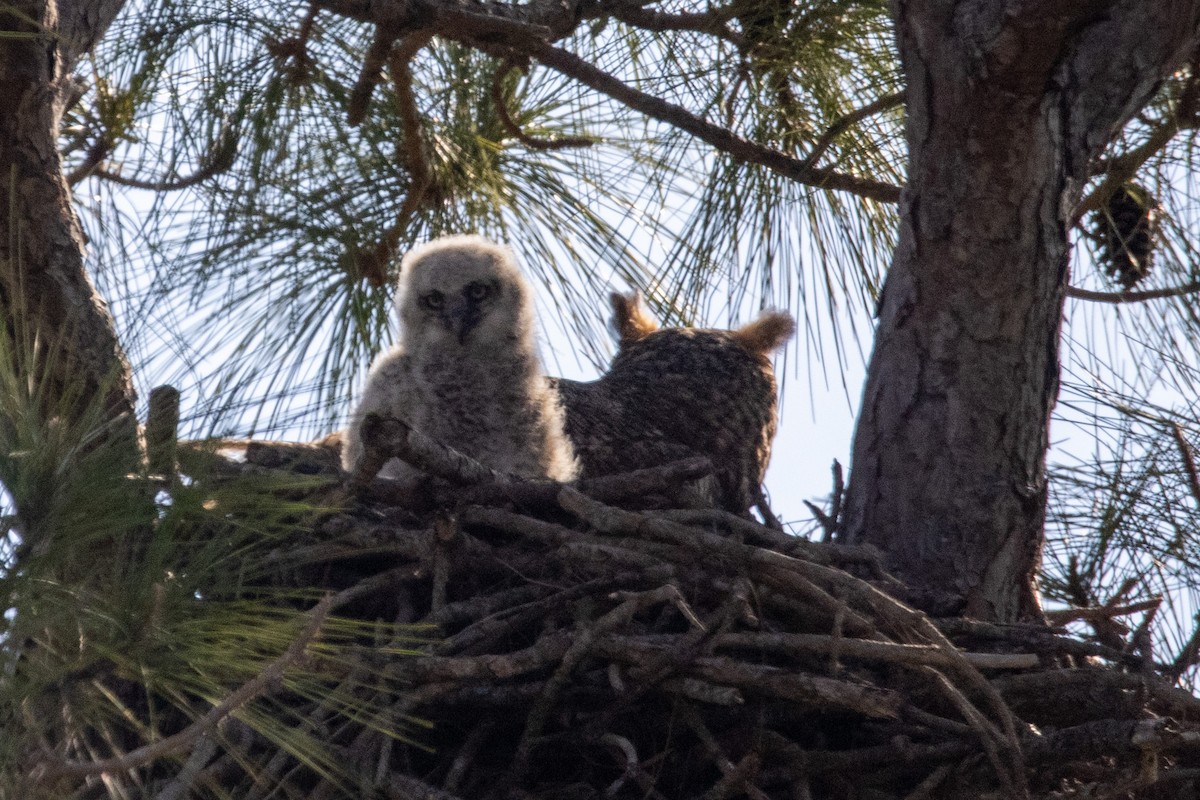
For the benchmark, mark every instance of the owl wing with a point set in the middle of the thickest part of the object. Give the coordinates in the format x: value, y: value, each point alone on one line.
x: 608, y: 434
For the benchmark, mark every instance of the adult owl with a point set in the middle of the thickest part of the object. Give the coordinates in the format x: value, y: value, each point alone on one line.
x: 466, y: 370
x: 677, y: 392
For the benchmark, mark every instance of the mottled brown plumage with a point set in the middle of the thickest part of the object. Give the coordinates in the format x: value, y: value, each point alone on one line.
x: 677, y: 392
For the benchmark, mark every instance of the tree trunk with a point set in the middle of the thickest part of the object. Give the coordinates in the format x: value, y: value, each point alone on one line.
x: 45, y: 292
x: 1008, y: 103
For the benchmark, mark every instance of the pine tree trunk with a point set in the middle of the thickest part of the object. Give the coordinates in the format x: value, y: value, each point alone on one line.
x: 1008, y: 104
x: 45, y: 292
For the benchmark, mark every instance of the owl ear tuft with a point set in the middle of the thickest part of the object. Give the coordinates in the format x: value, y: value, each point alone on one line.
x: 631, y: 319
x: 767, y: 333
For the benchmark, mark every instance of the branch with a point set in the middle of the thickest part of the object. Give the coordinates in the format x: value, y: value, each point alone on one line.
x: 273, y: 674
x: 723, y: 139
x: 386, y: 438
x: 410, y: 153
x: 1117, y: 298
x: 1120, y: 170
x: 1189, y: 461
x: 218, y: 161
x: 371, y: 73
x: 842, y: 123
x: 713, y: 21
x: 514, y: 129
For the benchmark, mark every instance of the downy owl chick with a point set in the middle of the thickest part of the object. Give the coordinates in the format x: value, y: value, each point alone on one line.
x: 466, y: 370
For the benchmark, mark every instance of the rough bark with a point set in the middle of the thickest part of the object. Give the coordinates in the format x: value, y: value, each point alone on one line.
x: 44, y: 288
x: 1007, y: 104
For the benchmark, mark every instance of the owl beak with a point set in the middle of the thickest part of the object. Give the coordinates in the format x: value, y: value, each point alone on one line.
x: 461, y: 317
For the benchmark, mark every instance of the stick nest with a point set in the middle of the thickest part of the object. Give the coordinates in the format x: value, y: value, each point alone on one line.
x: 590, y: 641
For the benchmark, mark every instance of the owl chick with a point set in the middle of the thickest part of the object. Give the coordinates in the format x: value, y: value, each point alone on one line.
x: 466, y: 370
x: 677, y: 392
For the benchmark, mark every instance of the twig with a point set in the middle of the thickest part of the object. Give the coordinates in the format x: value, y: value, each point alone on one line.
x: 410, y: 153
x: 632, y: 762
x: 370, y: 75
x: 721, y: 138
x: 712, y: 21
x: 510, y: 125
x: 926, y: 787
x: 1118, y: 298
x: 386, y: 438
x: 1100, y: 613
x: 582, y: 645
x: 466, y: 754
x: 219, y: 161
x: 1189, y: 461
x: 844, y: 122
x: 202, y: 753
x: 735, y: 773
x: 445, y: 532
x: 888, y: 652
x: 50, y: 769
x: 607, y: 488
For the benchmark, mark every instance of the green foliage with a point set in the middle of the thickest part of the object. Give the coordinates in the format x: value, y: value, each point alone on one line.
x: 249, y: 279
x: 131, y: 608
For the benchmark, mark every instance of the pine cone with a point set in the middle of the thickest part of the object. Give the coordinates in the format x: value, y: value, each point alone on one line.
x: 1127, y: 228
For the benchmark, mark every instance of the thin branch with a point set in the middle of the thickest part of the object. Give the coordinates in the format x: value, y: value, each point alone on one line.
x: 371, y: 74
x: 844, y: 122
x: 1100, y: 613
x: 721, y: 138
x: 387, y: 438
x: 1120, y: 170
x: 410, y: 153
x: 713, y: 21
x: 52, y: 769
x: 1189, y: 461
x: 217, y: 162
x: 514, y: 129
x: 1117, y: 298
x: 96, y: 153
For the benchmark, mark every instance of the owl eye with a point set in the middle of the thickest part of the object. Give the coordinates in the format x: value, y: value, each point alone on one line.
x: 478, y: 291
x: 433, y: 301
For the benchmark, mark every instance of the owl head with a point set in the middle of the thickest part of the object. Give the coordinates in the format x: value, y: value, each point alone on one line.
x: 463, y: 291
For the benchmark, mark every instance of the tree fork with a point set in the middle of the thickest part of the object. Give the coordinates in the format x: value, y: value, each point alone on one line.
x: 1007, y: 105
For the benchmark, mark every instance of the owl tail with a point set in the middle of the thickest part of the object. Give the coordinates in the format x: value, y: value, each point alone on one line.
x: 631, y: 319
x: 766, y: 334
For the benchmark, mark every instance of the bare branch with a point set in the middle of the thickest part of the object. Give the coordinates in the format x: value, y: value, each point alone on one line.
x: 844, y: 122
x: 410, y: 153
x: 712, y: 21
x: 514, y: 129
x: 721, y: 138
x: 215, y: 163
x: 371, y: 74
x: 1117, y: 298
x: 1189, y: 461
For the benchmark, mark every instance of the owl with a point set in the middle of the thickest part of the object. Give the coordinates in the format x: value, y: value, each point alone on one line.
x: 672, y: 393
x: 466, y: 371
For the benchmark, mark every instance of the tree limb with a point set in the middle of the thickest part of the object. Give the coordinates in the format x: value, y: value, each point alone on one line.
x: 1117, y: 298
x: 723, y: 139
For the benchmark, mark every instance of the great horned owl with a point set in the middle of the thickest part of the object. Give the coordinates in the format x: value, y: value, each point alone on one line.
x: 466, y: 370
x: 677, y: 392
